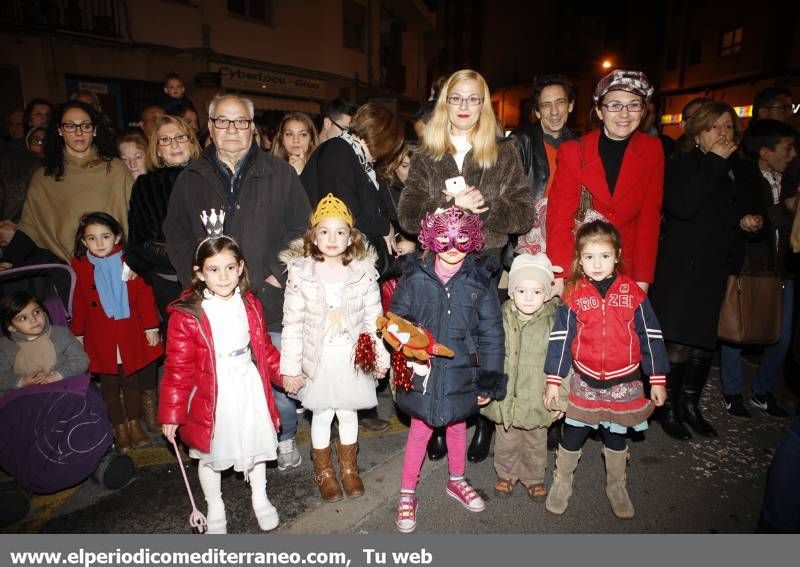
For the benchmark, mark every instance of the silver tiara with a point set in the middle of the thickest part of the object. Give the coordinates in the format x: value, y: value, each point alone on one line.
x: 213, y: 222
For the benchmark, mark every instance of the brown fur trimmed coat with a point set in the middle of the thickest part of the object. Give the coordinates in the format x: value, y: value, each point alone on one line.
x: 504, y: 187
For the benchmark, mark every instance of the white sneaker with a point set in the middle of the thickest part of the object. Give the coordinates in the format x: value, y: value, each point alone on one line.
x: 288, y: 455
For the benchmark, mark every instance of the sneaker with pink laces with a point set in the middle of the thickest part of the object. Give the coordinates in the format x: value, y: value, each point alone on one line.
x: 406, y: 514
x: 465, y: 495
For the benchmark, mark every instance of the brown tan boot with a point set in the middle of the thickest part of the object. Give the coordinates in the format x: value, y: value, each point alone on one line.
x: 138, y: 437
x: 325, y: 476
x: 121, y: 438
x: 616, y: 477
x: 149, y: 410
x: 561, y: 489
x: 348, y: 469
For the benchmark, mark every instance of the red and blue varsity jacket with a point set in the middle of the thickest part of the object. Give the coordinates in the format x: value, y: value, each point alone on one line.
x: 607, y: 338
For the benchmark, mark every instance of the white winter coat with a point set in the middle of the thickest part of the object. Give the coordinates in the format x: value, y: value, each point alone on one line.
x: 304, y: 310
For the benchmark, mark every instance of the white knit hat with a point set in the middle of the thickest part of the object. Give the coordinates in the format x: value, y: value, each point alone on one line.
x: 537, y: 268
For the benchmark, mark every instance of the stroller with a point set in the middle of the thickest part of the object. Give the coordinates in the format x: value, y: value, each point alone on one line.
x: 53, y: 436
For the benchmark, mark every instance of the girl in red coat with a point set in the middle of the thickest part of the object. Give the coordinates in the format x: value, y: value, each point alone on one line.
x: 216, y: 383
x: 116, y: 319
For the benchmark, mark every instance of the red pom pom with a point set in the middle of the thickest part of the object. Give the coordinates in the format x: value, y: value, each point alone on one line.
x: 402, y: 373
x: 365, y: 358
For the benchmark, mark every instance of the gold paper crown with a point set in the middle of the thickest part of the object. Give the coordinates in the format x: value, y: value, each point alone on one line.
x: 332, y: 208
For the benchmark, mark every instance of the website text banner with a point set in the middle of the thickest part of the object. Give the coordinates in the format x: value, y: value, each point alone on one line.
x: 393, y: 551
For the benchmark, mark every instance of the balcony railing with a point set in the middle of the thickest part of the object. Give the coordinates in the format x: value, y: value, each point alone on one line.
x: 97, y: 17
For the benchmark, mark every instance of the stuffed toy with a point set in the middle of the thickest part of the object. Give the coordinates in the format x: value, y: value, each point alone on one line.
x: 413, y: 341
x: 412, y: 348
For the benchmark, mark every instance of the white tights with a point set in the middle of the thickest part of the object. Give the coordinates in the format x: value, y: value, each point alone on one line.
x: 211, y: 483
x: 321, y: 427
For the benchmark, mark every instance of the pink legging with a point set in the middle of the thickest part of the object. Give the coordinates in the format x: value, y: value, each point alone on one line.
x: 418, y: 436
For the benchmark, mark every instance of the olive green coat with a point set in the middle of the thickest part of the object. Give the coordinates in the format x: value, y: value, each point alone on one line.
x: 526, y: 349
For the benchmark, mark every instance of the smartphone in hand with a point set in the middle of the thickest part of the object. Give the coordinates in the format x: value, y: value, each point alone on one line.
x: 455, y: 185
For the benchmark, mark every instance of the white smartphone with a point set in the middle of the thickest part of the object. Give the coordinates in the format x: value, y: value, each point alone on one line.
x: 455, y: 185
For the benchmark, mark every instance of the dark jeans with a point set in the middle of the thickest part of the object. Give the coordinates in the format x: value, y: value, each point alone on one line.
x: 286, y: 406
x: 766, y: 379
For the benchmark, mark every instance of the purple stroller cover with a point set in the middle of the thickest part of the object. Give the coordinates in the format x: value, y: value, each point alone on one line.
x: 53, y: 436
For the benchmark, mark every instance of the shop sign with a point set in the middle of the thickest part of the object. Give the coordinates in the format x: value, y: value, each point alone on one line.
x: 97, y: 88
x: 269, y: 82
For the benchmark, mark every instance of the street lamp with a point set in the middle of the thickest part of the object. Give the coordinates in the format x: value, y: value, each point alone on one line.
x: 606, y: 64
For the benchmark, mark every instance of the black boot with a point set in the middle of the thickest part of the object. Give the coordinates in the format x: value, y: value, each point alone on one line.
x: 554, y: 435
x: 482, y: 441
x: 693, y: 382
x: 437, y: 444
x: 670, y: 414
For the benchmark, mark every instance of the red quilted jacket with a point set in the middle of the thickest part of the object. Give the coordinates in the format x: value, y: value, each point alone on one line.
x: 606, y: 338
x: 189, y: 385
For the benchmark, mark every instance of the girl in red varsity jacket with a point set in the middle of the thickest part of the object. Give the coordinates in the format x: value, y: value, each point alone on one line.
x: 605, y: 332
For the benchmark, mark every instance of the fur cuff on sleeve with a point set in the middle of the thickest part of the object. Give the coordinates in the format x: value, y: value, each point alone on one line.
x: 492, y: 384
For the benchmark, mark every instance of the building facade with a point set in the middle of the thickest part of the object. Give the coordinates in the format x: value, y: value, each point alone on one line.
x: 727, y: 53
x: 573, y: 39
x: 282, y: 55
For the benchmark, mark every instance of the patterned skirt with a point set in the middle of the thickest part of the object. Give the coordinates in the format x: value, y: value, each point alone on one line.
x: 622, y: 404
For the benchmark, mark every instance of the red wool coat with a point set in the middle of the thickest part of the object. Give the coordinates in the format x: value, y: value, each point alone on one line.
x: 102, y: 335
x: 634, y: 208
x: 189, y: 385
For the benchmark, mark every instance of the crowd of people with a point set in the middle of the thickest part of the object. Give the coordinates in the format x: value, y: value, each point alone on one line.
x: 252, y: 266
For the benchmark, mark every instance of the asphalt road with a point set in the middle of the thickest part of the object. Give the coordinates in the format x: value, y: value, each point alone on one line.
x: 700, y: 486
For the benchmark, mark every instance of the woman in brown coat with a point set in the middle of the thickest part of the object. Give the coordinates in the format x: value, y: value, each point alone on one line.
x: 460, y: 141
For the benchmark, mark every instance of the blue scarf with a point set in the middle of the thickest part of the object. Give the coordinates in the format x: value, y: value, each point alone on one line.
x: 112, y: 290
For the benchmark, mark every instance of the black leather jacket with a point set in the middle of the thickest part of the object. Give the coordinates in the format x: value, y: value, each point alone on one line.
x: 529, y: 139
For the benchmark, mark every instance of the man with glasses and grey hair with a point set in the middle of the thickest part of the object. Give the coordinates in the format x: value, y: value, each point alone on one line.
x: 265, y: 208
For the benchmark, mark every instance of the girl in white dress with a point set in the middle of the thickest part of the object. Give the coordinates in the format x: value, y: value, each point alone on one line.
x: 216, y: 384
x: 332, y: 297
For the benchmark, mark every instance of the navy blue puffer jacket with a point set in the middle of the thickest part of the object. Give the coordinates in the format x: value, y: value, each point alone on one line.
x: 463, y: 314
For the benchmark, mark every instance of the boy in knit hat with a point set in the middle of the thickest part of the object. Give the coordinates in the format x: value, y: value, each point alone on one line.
x: 520, y: 451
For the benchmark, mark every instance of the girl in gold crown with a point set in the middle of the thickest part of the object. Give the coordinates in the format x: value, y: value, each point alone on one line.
x: 332, y: 298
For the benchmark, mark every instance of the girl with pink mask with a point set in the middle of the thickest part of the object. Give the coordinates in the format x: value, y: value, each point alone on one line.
x: 448, y: 290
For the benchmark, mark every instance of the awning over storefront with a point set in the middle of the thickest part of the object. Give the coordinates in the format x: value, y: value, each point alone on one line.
x: 283, y: 104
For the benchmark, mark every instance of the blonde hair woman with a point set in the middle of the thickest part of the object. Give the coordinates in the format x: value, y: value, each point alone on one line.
x: 462, y: 162
x: 460, y: 140
x: 172, y: 145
